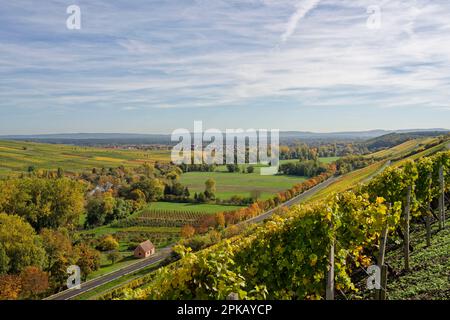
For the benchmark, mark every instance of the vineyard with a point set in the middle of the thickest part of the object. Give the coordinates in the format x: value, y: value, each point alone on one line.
x: 319, y: 249
x: 164, y: 218
x: 17, y: 156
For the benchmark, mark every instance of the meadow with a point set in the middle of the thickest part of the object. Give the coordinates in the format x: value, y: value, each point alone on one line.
x: 243, y: 184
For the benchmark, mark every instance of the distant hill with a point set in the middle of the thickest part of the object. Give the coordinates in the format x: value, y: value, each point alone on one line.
x: 285, y: 137
x: 393, y: 139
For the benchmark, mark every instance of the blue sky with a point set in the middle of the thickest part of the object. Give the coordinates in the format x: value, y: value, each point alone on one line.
x: 154, y: 66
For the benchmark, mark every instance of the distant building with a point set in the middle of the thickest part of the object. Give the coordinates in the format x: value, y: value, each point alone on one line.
x: 101, y: 189
x: 144, y: 249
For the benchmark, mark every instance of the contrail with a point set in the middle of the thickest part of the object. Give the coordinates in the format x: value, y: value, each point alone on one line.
x: 302, y: 9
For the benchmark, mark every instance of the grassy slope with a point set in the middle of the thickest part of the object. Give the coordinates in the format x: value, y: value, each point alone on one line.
x: 430, y: 274
x: 17, y: 156
x: 401, y: 148
x: 349, y: 180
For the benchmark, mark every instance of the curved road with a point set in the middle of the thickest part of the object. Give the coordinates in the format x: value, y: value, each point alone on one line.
x: 165, y: 252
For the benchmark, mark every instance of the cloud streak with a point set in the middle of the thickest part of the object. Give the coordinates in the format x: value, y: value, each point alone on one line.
x: 302, y: 10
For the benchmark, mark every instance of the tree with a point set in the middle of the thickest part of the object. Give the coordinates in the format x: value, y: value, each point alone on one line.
x: 10, y: 287
x: 255, y: 194
x: 109, y: 203
x: 220, y: 219
x: 138, y: 197
x: 57, y: 245
x: 114, y: 256
x: 60, y: 173
x: 123, y: 208
x: 88, y: 261
x: 44, y: 202
x: 210, y: 188
x: 201, y: 198
x: 108, y: 243
x: 153, y: 189
x: 20, y: 243
x: 60, y: 255
x: 4, y: 260
x: 187, y: 231
x: 231, y: 167
x: 96, y: 216
x: 34, y: 282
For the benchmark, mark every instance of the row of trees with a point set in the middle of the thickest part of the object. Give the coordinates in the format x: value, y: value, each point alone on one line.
x: 307, y: 168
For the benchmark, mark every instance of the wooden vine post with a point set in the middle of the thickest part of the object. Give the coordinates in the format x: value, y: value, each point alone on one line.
x: 380, y: 294
x: 428, y: 225
x: 407, y: 219
x: 441, y: 198
x: 428, y: 217
x: 329, y: 293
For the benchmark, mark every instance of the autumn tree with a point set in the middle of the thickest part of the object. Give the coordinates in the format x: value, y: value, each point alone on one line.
x: 44, y: 202
x: 10, y: 287
x: 187, y: 231
x: 88, y: 261
x: 108, y: 243
x: 20, y: 244
x: 210, y: 188
x: 220, y: 219
x: 60, y: 255
x: 34, y: 282
x: 4, y: 260
x: 153, y: 189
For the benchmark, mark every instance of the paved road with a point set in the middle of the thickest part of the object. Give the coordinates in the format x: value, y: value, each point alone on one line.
x: 165, y: 252
x: 91, y: 284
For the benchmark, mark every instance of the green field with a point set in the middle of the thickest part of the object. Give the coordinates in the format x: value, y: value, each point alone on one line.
x: 242, y: 184
x: 16, y: 157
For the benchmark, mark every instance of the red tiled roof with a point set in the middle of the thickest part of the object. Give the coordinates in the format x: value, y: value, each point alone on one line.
x: 146, y: 245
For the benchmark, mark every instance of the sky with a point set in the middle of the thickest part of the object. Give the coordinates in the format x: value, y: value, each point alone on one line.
x: 154, y: 66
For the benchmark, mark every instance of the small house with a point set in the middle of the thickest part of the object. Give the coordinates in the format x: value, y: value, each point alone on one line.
x: 144, y: 249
